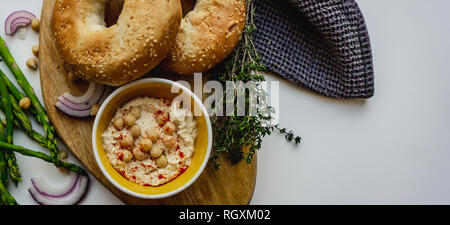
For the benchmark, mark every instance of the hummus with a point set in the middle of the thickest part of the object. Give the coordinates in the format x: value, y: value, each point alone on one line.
x: 150, y: 141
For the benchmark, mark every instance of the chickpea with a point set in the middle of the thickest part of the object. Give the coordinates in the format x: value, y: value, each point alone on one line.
x: 156, y: 151
x: 136, y: 111
x: 169, y: 141
x: 161, y: 162
x: 118, y: 123
x: 152, y: 134
x: 32, y: 63
x: 135, y: 131
x: 94, y: 109
x: 127, y: 156
x: 162, y: 118
x: 35, y: 24
x: 146, y: 144
x: 138, y: 154
x: 25, y: 103
x: 63, y: 154
x: 130, y: 120
x: 169, y: 128
x: 35, y: 50
x: 127, y: 141
x: 63, y: 169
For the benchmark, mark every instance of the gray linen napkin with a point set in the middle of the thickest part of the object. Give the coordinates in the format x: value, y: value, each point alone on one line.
x: 321, y: 45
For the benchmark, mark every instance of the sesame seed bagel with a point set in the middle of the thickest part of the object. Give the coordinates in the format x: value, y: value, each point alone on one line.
x: 125, y: 51
x: 207, y: 35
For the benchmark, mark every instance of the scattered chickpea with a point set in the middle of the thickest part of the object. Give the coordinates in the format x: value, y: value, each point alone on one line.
x: 136, y: 111
x: 153, y: 134
x: 161, y: 162
x: 35, y: 24
x: 127, y: 141
x: 156, y: 151
x: 71, y: 77
x: 135, y: 131
x: 32, y: 63
x: 170, y: 141
x: 118, y: 123
x: 138, y: 154
x: 35, y: 50
x: 162, y: 118
x: 63, y: 169
x: 169, y: 128
x: 130, y: 120
x: 63, y: 154
x: 127, y: 156
x: 25, y: 103
x: 146, y: 144
x: 94, y: 109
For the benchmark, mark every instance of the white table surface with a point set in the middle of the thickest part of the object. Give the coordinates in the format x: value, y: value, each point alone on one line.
x: 391, y: 149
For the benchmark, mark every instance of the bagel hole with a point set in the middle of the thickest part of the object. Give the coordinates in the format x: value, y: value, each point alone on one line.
x: 188, y: 5
x: 113, y: 9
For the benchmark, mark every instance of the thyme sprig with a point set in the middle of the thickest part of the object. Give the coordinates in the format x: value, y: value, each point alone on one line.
x: 239, y: 137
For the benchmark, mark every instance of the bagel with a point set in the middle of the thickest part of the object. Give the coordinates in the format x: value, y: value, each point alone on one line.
x: 125, y: 51
x: 207, y: 35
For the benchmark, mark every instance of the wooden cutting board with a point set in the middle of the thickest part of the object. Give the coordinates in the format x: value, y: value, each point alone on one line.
x: 232, y: 184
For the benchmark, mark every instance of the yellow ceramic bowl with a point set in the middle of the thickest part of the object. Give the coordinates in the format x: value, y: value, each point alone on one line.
x: 152, y: 87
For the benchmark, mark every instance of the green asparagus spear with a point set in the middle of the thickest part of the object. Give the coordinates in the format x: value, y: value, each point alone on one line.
x: 5, y: 196
x: 18, y: 95
x: 29, y: 91
x: 40, y: 155
x: 3, y: 166
x: 22, y: 121
x: 13, y: 167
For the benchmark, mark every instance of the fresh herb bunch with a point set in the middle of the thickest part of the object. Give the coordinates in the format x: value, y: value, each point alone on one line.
x: 239, y: 137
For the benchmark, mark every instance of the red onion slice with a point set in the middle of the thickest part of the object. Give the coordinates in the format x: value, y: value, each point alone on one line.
x: 83, y: 105
x: 72, y: 112
x: 70, y: 199
x: 89, y: 93
x: 51, y: 191
x: 19, y: 22
x: 13, y: 22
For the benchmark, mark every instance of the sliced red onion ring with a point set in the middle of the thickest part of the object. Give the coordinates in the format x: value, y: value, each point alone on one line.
x: 84, y: 98
x: 84, y: 105
x: 72, y: 112
x: 81, y: 106
x: 71, y: 198
x: 20, y: 22
x: 45, y: 189
x: 17, y: 19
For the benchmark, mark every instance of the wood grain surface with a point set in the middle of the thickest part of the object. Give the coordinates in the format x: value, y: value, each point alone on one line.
x: 232, y: 184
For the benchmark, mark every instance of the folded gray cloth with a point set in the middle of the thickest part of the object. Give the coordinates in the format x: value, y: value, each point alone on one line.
x: 320, y: 45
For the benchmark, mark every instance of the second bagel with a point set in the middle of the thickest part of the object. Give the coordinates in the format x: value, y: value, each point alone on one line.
x: 207, y: 35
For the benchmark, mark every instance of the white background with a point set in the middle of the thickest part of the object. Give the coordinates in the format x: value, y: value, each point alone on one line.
x: 390, y: 149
